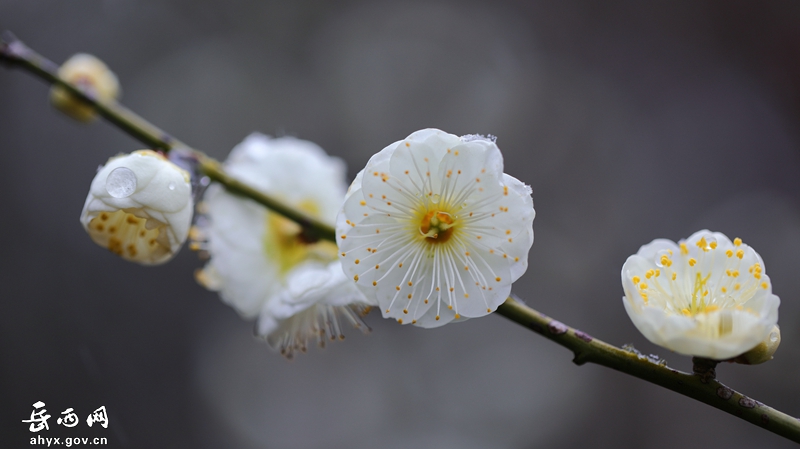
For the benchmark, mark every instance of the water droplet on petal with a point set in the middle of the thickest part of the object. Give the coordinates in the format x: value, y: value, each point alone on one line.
x: 121, y: 182
x: 171, y: 186
x: 773, y: 336
x: 659, y: 256
x: 435, y: 199
x: 711, y: 242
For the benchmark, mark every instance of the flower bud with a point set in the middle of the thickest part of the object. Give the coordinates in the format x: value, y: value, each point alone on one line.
x: 139, y: 207
x: 90, y: 75
x: 763, y: 351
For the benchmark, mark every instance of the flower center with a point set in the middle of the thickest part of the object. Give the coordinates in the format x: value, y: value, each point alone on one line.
x: 437, y: 226
x: 284, y: 244
x: 128, y: 234
x: 701, y: 288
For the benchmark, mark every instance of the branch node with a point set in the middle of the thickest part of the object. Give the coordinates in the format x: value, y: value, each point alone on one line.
x: 580, y: 358
x: 705, y: 369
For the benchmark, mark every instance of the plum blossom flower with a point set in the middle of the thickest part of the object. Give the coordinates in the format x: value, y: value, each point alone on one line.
x: 704, y: 296
x: 260, y: 264
x: 434, y: 231
x: 93, y: 77
x: 139, y: 207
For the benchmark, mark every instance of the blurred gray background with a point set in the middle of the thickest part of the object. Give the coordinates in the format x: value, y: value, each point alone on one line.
x: 631, y: 120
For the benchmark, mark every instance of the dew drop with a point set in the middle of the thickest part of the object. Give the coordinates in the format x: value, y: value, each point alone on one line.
x: 711, y: 241
x: 773, y: 336
x: 435, y: 199
x: 121, y: 182
x: 171, y: 186
x: 659, y: 255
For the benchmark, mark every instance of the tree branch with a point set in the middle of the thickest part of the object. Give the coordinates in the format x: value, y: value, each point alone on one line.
x: 701, y: 385
x: 16, y: 53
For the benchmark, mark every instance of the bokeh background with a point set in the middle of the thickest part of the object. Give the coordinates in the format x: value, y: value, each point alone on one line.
x: 631, y: 120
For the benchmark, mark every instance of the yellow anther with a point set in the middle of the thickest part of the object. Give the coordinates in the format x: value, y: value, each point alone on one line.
x: 692, y: 262
x: 674, y: 275
x: 724, y: 290
x: 764, y: 285
x: 757, y: 275
x: 686, y: 312
x: 713, y: 245
x: 357, y: 261
x: 636, y: 279
x: 400, y: 320
x: 374, y: 283
x: 737, y: 241
x: 498, y: 279
x: 737, y: 286
x: 729, y: 253
x: 702, y: 244
x: 355, y: 278
x: 658, y: 273
x: 705, y: 293
x: 363, y: 203
x: 739, y: 253
x: 397, y: 288
x: 457, y: 315
x: 684, y: 249
x: 649, y: 274
x: 643, y: 286
x: 735, y: 273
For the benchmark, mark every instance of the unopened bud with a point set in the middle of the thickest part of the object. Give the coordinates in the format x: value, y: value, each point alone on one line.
x: 91, y: 76
x: 139, y: 207
x: 763, y: 352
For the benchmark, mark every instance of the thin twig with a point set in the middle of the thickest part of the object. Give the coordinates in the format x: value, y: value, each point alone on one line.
x: 13, y: 51
x: 701, y: 385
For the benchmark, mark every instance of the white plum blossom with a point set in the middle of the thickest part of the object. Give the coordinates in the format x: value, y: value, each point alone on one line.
x: 90, y: 75
x: 139, y: 207
x: 704, y: 296
x: 261, y: 264
x: 434, y: 231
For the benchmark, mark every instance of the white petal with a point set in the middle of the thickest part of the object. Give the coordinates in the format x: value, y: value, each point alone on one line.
x: 432, y: 228
x: 706, y: 296
x: 140, y: 207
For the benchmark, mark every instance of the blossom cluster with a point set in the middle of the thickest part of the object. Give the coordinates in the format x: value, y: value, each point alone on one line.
x: 431, y: 231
